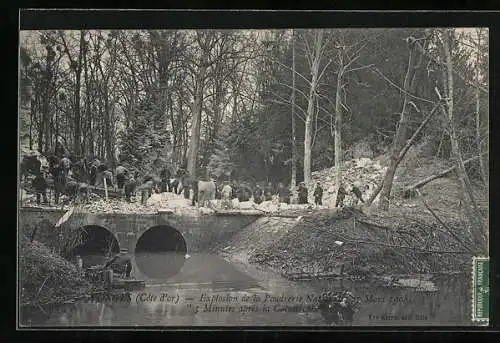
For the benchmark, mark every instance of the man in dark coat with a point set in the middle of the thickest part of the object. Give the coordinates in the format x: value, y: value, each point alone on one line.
x: 244, y: 193
x: 302, y: 193
x: 318, y: 194
x: 258, y: 194
x: 187, y: 181
x: 235, y: 189
x: 130, y: 186
x: 357, y: 192
x: 40, y: 186
x: 341, y: 193
x: 165, y: 180
x: 121, y: 176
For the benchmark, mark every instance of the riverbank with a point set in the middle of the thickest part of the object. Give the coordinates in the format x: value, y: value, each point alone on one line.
x: 362, y: 242
x: 46, y: 278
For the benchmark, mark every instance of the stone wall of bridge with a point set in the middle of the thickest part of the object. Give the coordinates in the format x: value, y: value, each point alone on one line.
x: 201, y: 232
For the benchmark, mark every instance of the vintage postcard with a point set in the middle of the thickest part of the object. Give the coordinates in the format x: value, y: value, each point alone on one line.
x: 242, y: 177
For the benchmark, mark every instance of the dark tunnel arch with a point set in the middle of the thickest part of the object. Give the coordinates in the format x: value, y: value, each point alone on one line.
x: 98, y: 244
x: 160, y: 252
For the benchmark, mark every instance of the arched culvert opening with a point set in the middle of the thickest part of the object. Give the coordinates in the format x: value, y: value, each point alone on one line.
x: 96, y: 245
x: 160, y: 252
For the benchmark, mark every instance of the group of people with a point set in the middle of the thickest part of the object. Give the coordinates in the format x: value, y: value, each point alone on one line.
x: 341, y: 194
x: 74, y: 178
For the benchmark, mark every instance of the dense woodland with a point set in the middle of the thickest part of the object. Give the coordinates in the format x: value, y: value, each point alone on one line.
x: 258, y: 105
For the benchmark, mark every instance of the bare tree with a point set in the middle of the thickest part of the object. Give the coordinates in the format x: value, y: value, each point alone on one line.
x: 314, y: 55
x: 294, y: 142
x: 479, y: 139
x: 414, y: 62
x: 446, y: 37
x: 76, y: 67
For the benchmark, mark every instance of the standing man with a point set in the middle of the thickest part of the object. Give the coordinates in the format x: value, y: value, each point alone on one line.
x: 165, y: 180
x: 341, y: 193
x: 60, y: 180
x: 226, y: 196
x: 130, y: 186
x: 40, y: 186
x: 194, y: 185
x: 186, y: 183
x: 108, y: 175
x: 66, y: 164
x: 258, y: 194
x: 303, y: 193
x: 121, y: 176
x: 318, y: 194
x: 357, y: 192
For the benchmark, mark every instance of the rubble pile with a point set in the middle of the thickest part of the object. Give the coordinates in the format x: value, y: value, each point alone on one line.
x: 360, y: 172
x: 117, y: 206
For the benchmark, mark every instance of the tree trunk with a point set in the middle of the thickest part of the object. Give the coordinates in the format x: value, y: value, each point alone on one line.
x: 194, y: 141
x: 88, y: 139
x: 310, y: 105
x: 32, y: 114
x: 78, y: 72
x: 338, y: 129
x: 401, y: 132
x: 483, y: 170
x: 308, y: 138
x: 46, y: 110
x: 108, y: 139
x: 469, y: 201
x: 294, y: 142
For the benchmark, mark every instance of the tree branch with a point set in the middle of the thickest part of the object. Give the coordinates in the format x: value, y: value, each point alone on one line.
x: 446, y: 227
x: 399, y: 88
x: 359, y: 68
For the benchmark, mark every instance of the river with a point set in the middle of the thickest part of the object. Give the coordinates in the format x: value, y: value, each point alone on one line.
x: 211, y: 291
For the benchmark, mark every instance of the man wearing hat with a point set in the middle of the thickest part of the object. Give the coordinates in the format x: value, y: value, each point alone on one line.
x: 318, y: 194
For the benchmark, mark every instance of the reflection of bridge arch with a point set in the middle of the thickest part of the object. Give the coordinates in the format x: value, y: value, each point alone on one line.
x: 97, y: 241
x: 160, y: 251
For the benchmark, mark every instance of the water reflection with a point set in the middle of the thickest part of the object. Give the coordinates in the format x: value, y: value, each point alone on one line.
x: 210, y: 274
x: 449, y: 304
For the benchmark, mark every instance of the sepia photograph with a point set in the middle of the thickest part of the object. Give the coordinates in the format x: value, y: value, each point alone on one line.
x: 253, y: 177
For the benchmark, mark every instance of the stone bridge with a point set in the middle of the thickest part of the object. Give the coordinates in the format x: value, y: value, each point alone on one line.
x: 157, y: 243
x: 199, y: 232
